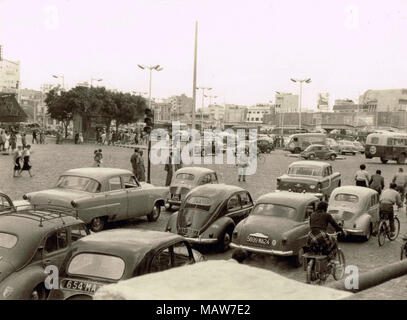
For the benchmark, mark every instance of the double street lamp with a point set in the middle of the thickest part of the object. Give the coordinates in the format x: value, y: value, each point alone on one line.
x: 94, y: 79
x: 308, y: 80
x: 63, y: 80
x: 151, y: 68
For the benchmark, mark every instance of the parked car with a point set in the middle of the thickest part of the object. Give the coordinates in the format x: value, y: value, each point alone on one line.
x: 356, y: 209
x: 359, y: 147
x: 333, y: 145
x: 30, y: 240
x: 209, y: 213
x: 185, y: 179
x: 278, y: 225
x: 114, y: 255
x: 265, y: 145
x: 318, y: 151
x: 310, y: 176
x: 346, y: 146
x: 102, y: 195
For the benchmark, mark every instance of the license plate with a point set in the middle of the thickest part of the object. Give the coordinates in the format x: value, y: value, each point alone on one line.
x: 258, y: 240
x: 80, y: 285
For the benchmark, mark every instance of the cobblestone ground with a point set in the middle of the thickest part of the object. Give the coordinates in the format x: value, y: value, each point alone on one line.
x: 50, y: 160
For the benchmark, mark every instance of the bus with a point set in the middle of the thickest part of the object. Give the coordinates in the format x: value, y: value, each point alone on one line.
x: 387, y: 146
x: 299, y: 142
x: 287, y: 131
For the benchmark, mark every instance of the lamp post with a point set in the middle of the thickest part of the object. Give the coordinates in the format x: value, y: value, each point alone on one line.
x: 63, y: 80
x: 94, y: 79
x: 210, y: 98
x: 308, y: 80
x: 202, y: 107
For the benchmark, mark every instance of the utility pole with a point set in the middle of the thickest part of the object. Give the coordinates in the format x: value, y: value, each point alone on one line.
x: 194, y: 77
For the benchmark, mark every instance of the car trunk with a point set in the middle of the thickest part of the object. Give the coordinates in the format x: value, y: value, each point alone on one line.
x: 56, y: 197
x: 298, y: 184
x: 192, y: 221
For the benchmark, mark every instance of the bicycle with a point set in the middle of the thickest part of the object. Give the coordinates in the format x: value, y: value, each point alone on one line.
x: 318, y: 267
x: 384, y: 229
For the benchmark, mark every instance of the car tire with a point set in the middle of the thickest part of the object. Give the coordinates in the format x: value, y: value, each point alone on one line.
x: 354, y: 153
x: 268, y: 150
x: 168, y: 206
x: 297, y: 150
x: 298, y: 259
x: 311, y: 156
x: 368, y: 234
x: 332, y: 157
x: 155, y: 213
x: 224, y: 240
x: 97, y: 224
x: 39, y: 293
x: 383, y: 160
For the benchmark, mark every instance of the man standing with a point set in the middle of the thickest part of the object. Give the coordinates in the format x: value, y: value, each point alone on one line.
x: 35, y: 137
x: 168, y: 168
x: 141, y: 167
x: 377, y: 182
x: 135, y: 162
x: 400, y: 180
x: 362, y: 177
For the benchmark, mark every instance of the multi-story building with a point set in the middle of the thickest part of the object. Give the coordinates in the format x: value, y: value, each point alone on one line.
x: 181, y: 106
x: 286, y: 102
x: 163, y: 111
x: 33, y: 103
x: 9, y: 74
x: 235, y: 114
x: 256, y: 113
x: 217, y: 114
x: 385, y: 100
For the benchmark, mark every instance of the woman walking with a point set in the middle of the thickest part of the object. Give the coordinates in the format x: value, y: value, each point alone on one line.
x: 26, y: 161
x: 17, y: 158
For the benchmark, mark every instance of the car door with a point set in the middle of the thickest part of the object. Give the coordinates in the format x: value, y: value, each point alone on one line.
x: 246, y: 203
x: 139, y: 200
x: 318, y: 152
x: 233, y: 207
x: 373, y: 209
x: 55, y: 247
x: 116, y: 199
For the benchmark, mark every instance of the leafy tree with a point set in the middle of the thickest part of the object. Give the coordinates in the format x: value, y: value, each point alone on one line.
x: 58, y: 109
x: 130, y: 108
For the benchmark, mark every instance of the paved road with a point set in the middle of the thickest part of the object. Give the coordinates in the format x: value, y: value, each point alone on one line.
x: 50, y: 160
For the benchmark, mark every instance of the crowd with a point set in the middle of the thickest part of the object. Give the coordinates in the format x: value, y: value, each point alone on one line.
x: 131, y: 136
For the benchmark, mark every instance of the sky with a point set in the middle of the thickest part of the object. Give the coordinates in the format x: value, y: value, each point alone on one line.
x: 247, y: 50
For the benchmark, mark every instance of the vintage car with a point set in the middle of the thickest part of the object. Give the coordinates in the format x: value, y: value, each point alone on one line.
x: 278, y: 225
x: 209, y: 213
x: 30, y: 240
x: 332, y: 144
x: 318, y: 151
x: 346, y: 146
x: 310, y: 176
x: 359, y: 147
x: 265, y: 145
x: 102, y: 195
x: 185, y: 179
x: 110, y: 256
x: 356, y: 209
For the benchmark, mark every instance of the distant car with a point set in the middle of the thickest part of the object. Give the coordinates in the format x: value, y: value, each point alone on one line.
x: 209, y: 213
x: 310, y: 176
x: 265, y: 145
x: 346, y: 146
x: 278, y: 225
x: 359, y: 147
x: 332, y: 144
x: 356, y: 209
x: 30, y: 240
x: 114, y: 255
x: 318, y: 151
x: 185, y: 179
x: 102, y: 195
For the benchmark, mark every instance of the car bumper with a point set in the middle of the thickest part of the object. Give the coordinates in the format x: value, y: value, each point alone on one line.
x: 354, y: 232
x: 174, y: 202
x: 262, y: 250
x: 202, y: 240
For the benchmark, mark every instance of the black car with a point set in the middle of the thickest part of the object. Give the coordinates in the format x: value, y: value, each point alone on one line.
x: 318, y: 151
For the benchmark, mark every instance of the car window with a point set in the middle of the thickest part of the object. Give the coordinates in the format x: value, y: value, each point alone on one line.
x: 78, y: 231
x: 161, y: 261
x: 305, y: 171
x: 58, y: 240
x: 346, y: 197
x: 130, y: 182
x: 181, y: 254
x: 205, y: 179
x: 78, y: 183
x: 233, y: 203
x: 5, y: 205
x: 115, y: 183
x: 214, y: 178
x: 187, y: 177
x: 329, y: 170
x: 245, y: 200
x: 275, y: 210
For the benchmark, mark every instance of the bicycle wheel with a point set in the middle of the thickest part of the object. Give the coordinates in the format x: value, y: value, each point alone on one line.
x: 403, y: 253
x: 309, y: 271
x: 396, y: 229
x: 338, y: 270
x: 381, y: 236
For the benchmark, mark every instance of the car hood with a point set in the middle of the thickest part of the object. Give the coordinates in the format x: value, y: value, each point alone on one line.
x: 192, y: 221
x: 62, y: 197
x: 274, y: 227
x: 6, y: 268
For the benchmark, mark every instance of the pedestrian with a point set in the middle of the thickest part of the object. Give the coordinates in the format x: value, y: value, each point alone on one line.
x: 26, y: 161
x: 17, y: 161
x: 80, y: 140
x: 142, y: 169
x: 103, y: 138
x: 362, y: 177
x: 178, y: 161
x: 34, y: 137
x: 135, y: 161
x: 400, y: 179
x: 377, y: 182
x: 7, y: 142
x: 242, y: 164
x: 23, y: 139
x: 169, y: 169
x: 2, y: 138
x: 76, y: 139
x: 98, y: 157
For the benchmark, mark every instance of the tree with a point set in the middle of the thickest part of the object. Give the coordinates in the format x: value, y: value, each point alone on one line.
x: 130, y: 108
x: 58, y: 109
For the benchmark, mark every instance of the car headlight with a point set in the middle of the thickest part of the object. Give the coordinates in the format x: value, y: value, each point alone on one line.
x: 312, y: 186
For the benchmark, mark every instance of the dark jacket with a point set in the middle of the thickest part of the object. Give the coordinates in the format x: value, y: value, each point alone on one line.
x: 320, y: 220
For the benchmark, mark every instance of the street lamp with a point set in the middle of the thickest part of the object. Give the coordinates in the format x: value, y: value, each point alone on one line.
x: 63, y: 80
x: 210, y: 98
x: 94, y: 79
x: 203, y: 95
x: 151, y: 68
x: 308, y: 80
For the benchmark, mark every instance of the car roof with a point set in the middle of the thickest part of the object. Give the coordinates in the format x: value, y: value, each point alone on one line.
x: 195, y: 170
x: 356, y: 190
x: 286, y: 198
x: 97, y: 173
x: 217, y: 192
x: 316, y: 145
x: 310, y: 163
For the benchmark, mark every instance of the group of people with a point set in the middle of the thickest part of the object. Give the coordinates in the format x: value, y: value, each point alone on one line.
x: 21, y: 160
x: 38, y: 137
x: 122, y: 136
x: 8, y: 140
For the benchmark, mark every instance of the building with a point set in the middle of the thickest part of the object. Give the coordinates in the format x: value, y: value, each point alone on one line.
x: 286, y: 102
x: 181, y: 106
x: 235, y: 114
x: 163, y: 111
x: 385, y: 100
x: 217, y: 115
x: 256, y: 113
x: 9, y: 74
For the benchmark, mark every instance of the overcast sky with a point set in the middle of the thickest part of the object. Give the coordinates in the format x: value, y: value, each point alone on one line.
x: 247, y: 50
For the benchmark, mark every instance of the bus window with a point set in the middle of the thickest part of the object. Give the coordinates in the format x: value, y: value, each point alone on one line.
x: 374, y: 140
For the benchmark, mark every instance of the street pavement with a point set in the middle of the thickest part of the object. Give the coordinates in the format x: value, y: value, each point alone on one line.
x: 51, y: 160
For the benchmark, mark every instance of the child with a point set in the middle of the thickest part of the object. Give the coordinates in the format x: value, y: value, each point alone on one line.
x: 98, y: 156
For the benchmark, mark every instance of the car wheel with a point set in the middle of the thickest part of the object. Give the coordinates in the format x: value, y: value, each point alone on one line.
x: 297, y: 150
x: 268, y: 150
x: 311, y: 156
x: 332, y: 157
x: 368, y: 234
x: 155, y: 214
x: 353, y: 153
x: 383, y: 160
x: 97, y: 224
x: 39, y: 293
x: 298, y: 259
x: 224, y: 240
x: 401, y: 159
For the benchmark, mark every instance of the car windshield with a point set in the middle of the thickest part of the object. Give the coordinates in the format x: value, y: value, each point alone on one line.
x: 185, y: 177
x: 97, y: 265
x: 7, y: 240
x: 275, y: 210
x: 305, y: 171
x: 346, y: 197
x: 78, y: 183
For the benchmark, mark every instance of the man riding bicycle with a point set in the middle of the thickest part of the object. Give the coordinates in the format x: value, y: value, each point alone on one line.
x: 319, y: 241
x: 388, y: 199
x: 400, y: 179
